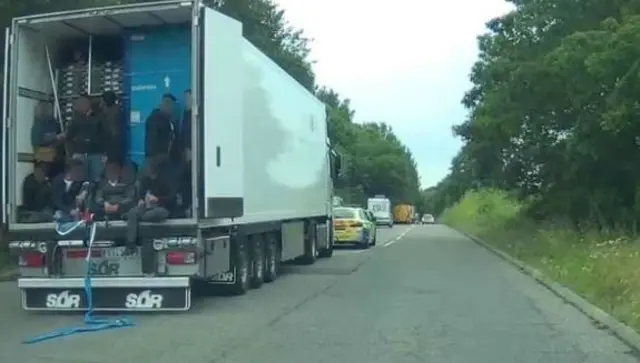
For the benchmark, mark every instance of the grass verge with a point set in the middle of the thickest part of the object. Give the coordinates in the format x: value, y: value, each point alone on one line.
x: 601, y: 266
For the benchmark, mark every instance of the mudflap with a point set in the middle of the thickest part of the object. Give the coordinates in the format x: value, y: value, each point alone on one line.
x: 109, y: 294
x: 224, y: 278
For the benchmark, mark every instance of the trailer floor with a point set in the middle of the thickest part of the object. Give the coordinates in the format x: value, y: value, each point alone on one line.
x: 430, y: 296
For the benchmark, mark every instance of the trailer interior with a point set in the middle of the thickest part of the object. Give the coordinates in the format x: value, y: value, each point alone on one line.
x: 140, y: 55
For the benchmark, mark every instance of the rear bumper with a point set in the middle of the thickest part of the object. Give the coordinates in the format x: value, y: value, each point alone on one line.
x: 353, y: 237
x: 384, y: 222
x: 106, y: 282
x: 109, y: 294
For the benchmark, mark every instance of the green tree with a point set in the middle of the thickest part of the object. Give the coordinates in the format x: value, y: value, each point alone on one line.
x: 553, y: 110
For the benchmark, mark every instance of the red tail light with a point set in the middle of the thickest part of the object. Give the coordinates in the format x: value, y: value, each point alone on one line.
x: 181, y: 258
x: 31, y: 259
x: 73, y: 254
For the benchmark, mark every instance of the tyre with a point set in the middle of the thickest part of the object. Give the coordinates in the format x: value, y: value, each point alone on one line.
x: 310, y: 244
x: 240, y: 253
x: 257, y: 264
x: 364, y: 244
x: 271, y: 258
x: 328, y: 252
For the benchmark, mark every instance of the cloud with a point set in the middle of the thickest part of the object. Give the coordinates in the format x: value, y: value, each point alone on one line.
x: 404, y: 62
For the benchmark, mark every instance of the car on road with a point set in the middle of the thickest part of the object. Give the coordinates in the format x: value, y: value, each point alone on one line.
x: 353, y: 226
x: 428, y: 219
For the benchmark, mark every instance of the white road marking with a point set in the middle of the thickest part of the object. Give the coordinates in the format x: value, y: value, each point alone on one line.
x: 401, y: 236
x: 386, y: 244
x: 390, y: 243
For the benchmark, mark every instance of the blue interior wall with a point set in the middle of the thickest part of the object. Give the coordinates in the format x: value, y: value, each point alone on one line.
x: 158, y: 61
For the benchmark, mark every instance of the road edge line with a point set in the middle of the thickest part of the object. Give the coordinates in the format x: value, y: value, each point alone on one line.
x: 621, y: 331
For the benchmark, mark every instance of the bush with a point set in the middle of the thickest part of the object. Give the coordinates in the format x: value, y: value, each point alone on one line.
x: 602, y: 266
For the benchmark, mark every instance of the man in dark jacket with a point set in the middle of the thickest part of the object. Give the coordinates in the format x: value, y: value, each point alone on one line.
x: 160, y: 129
x: 112, y: 127
x: 156, y: 198
x: 36, y: 196
x: 69, y: 191
x: 186, y: 125
x: 114, y: 197
x: 182, y: 159
x: 84, y: 138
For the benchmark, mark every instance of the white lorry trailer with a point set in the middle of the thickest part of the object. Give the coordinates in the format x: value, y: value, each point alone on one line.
x: 262, y: 167
x: 380, y: 206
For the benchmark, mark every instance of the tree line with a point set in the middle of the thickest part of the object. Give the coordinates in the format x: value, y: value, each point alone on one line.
x: 374, y: 160
x: 553, y: 112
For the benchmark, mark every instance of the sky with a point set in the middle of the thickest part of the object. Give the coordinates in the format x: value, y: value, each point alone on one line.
x: 407, y: 64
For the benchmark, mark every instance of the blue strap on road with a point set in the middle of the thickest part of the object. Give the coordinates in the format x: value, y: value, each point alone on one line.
x: 91, y: 323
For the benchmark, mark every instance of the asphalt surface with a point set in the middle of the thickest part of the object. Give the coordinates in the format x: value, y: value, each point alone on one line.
x: 428, y: 296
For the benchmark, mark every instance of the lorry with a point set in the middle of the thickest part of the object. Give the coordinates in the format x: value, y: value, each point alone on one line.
x: 380, y: 206
x: 262, y: 167
x: 403, y: 213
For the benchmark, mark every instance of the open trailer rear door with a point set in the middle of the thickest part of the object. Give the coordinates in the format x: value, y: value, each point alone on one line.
x: 5, y: 121
x: 222, y: 103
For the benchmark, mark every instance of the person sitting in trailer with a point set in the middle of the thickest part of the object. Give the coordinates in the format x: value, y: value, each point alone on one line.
x: 114, y: 197
x: 47, y: 138
x: 84, y: 138
x: 156, y: 198
x: 36, y: 196
x: 69, y: 192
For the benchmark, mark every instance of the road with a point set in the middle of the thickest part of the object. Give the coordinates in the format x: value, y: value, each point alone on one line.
x: 428, y: 295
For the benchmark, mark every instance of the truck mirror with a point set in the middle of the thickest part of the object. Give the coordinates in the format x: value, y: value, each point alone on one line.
x: 337, y: 164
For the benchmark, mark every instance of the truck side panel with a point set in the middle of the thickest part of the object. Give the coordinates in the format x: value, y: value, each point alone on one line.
x: 285, y: 151
x: 222, y: 103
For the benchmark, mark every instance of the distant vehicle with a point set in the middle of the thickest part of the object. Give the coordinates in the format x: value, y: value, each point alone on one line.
x: 352, y: 226
x: 428, y: 219
x: 403, y: 213
x: 380, y: 206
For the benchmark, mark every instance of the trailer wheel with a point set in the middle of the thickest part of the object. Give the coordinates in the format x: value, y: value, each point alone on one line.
x: 272, y: 258
x: 241, y: 262
x: 257, y: 260
x: 310, y: 244
x: 328, y: 252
